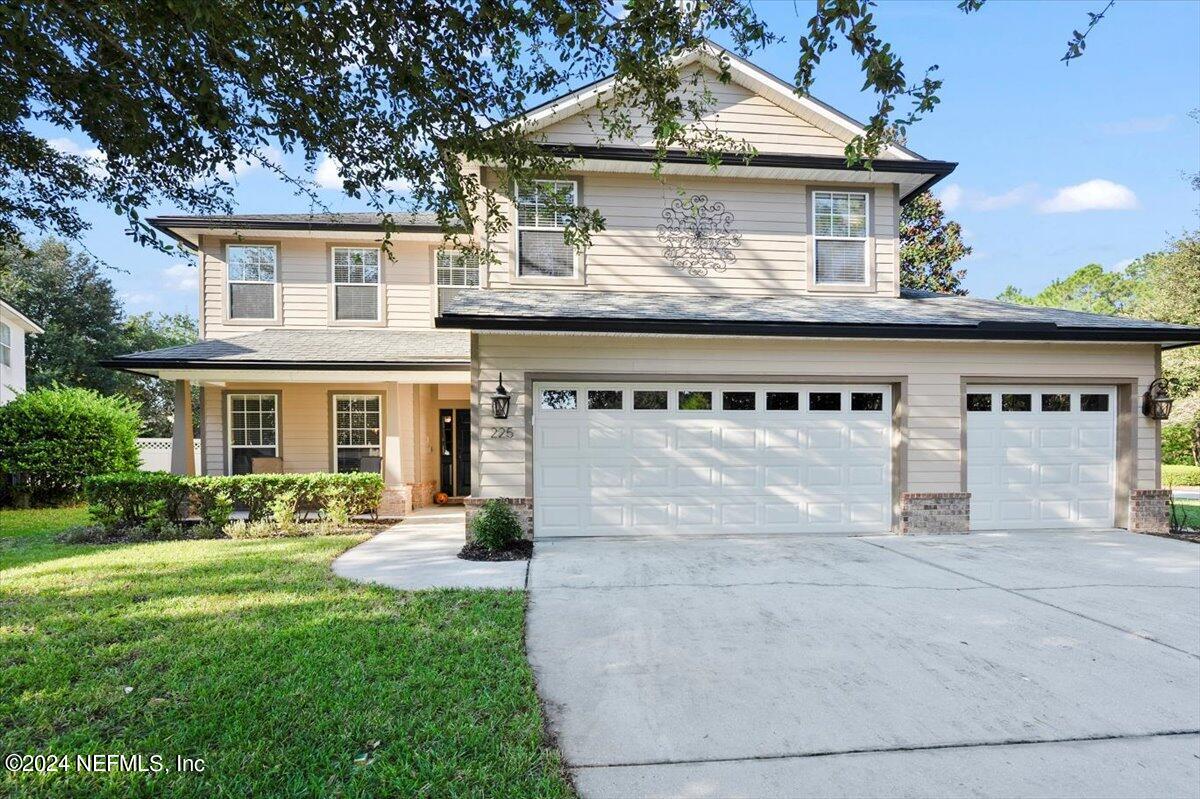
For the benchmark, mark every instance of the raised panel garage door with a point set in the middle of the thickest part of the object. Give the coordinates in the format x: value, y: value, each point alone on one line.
x: 645, y: 459
x: 1041, y: 456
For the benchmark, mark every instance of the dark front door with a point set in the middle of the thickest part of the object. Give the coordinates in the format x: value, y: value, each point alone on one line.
x: 455, y: 440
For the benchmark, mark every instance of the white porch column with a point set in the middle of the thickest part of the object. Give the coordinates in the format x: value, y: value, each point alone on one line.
x: 183, y: 457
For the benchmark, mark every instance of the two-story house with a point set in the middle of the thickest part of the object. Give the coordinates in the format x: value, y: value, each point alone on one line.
x: 15, y: 329
x: 734, y: 353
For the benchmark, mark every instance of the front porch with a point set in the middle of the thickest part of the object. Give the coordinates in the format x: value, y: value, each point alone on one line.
x: 391, y: 401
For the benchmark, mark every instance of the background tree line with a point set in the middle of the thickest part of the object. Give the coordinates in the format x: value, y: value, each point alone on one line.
x: 68, y: 294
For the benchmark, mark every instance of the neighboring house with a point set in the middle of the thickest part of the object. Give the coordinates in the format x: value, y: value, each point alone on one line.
x: 15, y: 327
x: 733, y: 354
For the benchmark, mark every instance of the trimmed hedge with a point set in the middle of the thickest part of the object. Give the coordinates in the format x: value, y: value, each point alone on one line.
x: 1177, y: 444
x: 1177, y: 475
x: 51, y: 440
x: 133, y: 498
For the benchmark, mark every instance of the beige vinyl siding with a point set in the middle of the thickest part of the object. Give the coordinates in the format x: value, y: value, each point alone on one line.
x: 933, y: 371
x: 303, y: 268
x: 771, y: 217
x: 410, y: 419
x: 737, y: 112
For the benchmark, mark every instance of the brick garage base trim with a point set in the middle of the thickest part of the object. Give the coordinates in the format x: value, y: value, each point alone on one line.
x: 1150, y: 510
x: 935, y: 514
x: 522, y: 507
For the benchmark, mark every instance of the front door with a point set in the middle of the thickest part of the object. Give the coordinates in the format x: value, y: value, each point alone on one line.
x: 455, y: 451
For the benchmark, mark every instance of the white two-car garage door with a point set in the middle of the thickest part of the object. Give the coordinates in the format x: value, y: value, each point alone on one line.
x: 1041, y: 456
x: 642, y: 459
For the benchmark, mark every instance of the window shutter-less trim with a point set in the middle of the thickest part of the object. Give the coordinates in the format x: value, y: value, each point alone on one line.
x: 356, y: 278
x: 252, y: 272
x: 840, y: 225
x: 541, y: 250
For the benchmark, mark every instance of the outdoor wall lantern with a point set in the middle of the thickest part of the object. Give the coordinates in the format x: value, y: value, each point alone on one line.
x: 1156, y: 402
x: 500, y: 400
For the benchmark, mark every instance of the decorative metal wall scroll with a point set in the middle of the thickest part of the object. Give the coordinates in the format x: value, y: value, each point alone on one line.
x: 698, y: 236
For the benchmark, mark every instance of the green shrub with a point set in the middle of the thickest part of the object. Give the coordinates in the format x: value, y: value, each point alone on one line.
x: 1177, y: 444
x: 496, y: 526
x: 129, y: 499
x: 1179, y: 475
x: 141, y: 499
x: 52, y: 440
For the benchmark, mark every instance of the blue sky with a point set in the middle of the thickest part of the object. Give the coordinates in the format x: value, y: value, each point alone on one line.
x: 1059, y: 166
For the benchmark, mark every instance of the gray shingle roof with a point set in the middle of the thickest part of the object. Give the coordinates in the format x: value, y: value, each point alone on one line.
x: 332, y: 348
x: 911, y: 313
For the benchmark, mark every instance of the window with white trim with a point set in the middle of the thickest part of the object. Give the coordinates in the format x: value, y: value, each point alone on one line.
x: 542, y: 214
x: 5, y: 344
x: 457, y: 269
x: 252, y: 272
x: 253, y: 430
x: 840, y: 224
x: 356, y: 284
x: 356, y: 432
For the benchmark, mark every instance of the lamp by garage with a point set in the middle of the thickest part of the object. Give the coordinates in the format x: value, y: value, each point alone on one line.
x: 1156, y: 402
x: 500, y: 400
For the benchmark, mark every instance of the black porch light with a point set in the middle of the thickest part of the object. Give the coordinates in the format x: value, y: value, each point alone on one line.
x: 1156, y: 402
x: 500, y: 400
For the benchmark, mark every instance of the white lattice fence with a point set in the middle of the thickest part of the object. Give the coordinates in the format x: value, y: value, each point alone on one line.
x: 156, y: 454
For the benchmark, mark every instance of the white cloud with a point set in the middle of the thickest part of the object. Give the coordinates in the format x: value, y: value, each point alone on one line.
x: 70, y: 147
x: 328, y: 175
x: 1135, y: 125
x: 182, y: 277
x: 1092, y: 195
x: 997, y: 202
x: 955, y: 196
x: 245, y: 164
x: 951, y: 196
x: 1121, y: 265
x: 140, y: 299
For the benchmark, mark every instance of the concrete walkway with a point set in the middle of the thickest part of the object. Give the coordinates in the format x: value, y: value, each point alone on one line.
x: 422, y: 552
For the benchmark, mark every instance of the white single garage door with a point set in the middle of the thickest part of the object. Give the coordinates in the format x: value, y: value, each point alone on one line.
x: 1041, y: 456
x: 625, y: 459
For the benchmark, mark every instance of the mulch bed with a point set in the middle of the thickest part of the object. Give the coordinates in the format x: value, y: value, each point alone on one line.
x: 519, y: 550
x: 1192, y: 536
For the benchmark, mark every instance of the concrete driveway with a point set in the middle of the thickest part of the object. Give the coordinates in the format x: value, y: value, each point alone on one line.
x: 1009, y: 664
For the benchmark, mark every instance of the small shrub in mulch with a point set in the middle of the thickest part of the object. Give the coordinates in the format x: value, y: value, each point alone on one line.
x: 517, y: 550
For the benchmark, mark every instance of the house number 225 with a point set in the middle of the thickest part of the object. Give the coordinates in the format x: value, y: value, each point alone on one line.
x: 502, y: 432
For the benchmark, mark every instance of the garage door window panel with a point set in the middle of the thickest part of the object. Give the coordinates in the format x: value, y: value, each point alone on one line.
x: 825, y: 401
x: 1056, y: 403
x: 783, y: 400
x: 737, y: 400
x: 979, y: 403
x: 559, y: 399
x: 1093, y: 403
x: 866, y: 401
x: 604, y: 400
x: 1016, y: 403
x: 650, y: 400
x: 695, y: 400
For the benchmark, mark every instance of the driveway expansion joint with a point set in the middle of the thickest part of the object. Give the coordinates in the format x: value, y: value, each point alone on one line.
x: 886, y: 749
x: 1019, y: 593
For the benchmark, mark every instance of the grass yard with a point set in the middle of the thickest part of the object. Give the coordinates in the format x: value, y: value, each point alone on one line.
x: 1190, y: 512
x: 286, y: 680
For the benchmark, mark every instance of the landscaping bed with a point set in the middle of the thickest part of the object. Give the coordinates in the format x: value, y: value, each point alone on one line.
x: 251, y: 655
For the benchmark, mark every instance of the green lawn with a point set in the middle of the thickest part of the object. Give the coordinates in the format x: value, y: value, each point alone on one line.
x: 252, y: 656
x: 1191, y: 513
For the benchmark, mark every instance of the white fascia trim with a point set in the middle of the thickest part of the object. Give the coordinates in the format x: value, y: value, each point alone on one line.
x: 11, y: 314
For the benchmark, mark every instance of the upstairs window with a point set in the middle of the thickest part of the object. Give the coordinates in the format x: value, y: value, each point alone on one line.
x: 457, y: 269
x: 542, y: 215
x: 356, y: 284
x: 840, y: 228
x: 253, y: 270
x: 5, y: 345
